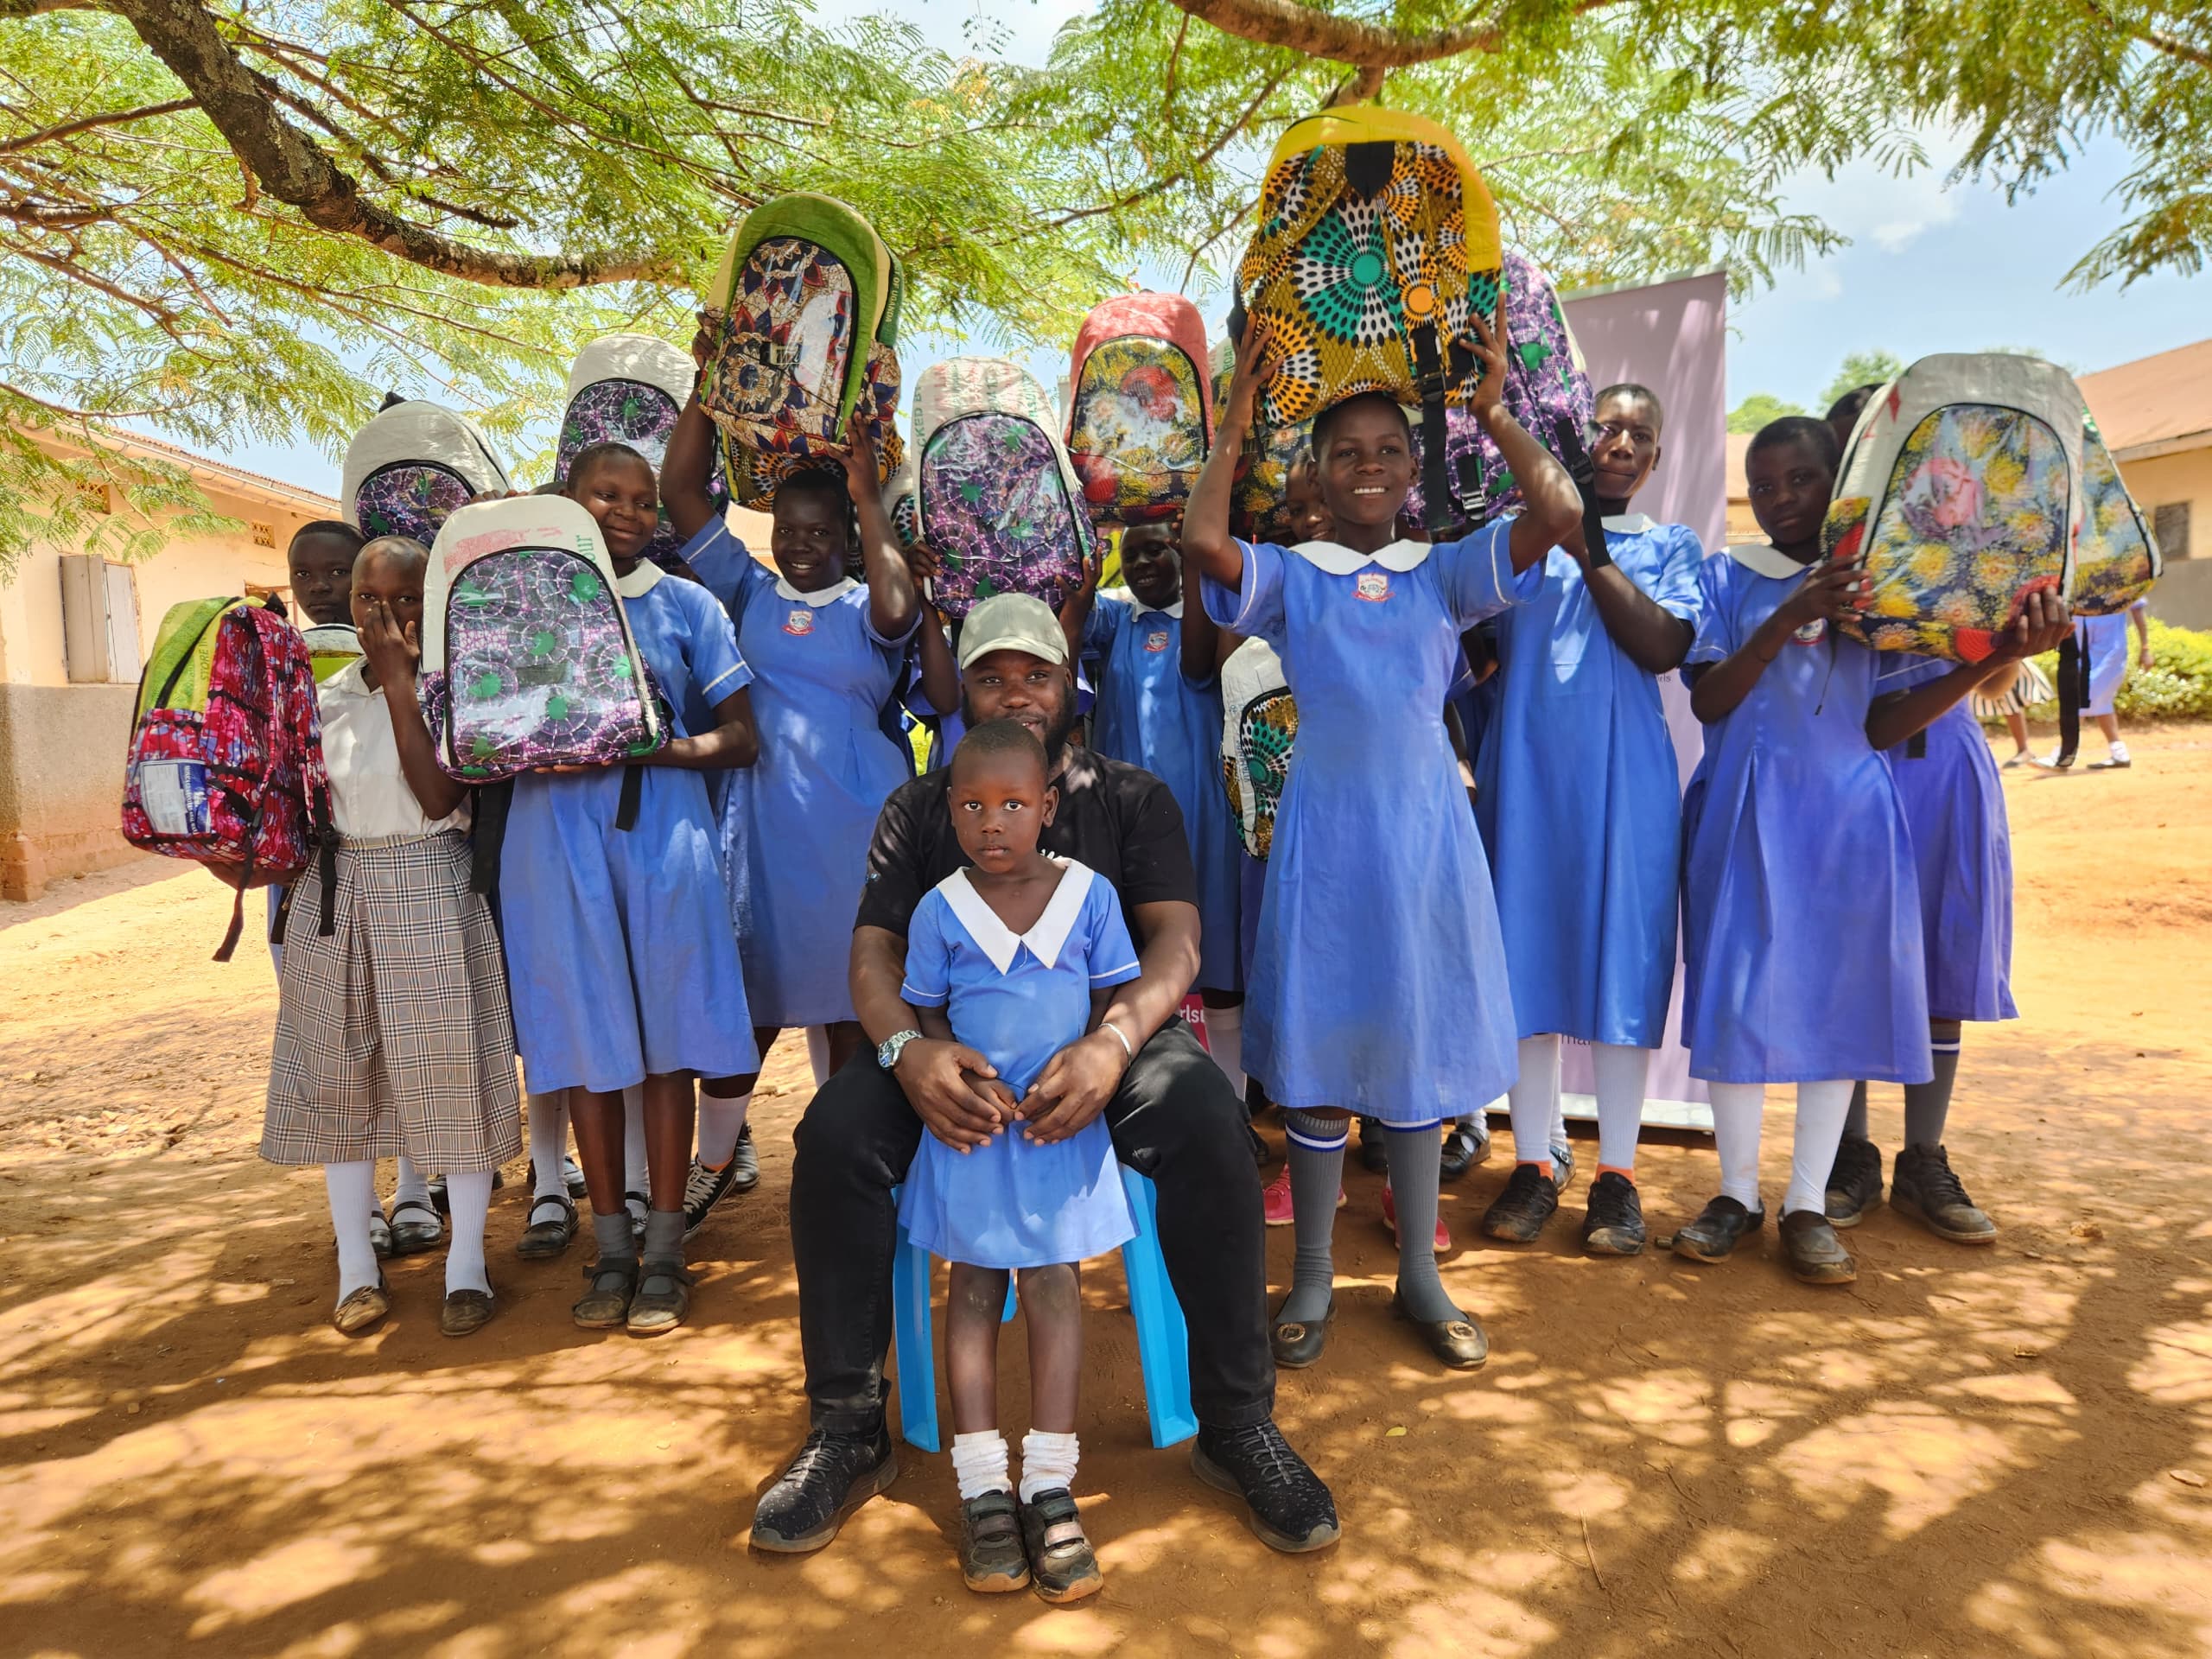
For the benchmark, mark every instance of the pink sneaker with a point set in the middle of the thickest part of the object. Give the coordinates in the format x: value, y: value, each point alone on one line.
x: 1390, y: 1220
x: 1275, y: 1200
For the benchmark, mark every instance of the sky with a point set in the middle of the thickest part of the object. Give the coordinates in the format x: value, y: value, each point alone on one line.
x: 1930, y: 267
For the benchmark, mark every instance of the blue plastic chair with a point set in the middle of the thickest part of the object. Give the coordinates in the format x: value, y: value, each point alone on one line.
x: 1163, y: 1340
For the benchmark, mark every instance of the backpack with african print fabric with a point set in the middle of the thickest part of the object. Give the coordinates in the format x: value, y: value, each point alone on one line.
x: 1376, y: 249
x: 1545, y: 383
x: 1259, y: 496
x: 802, y: 323
x: 1259, y: 727
x: 528, y: 661
x: 413, y: 464
x: 1139, y: 410
x: 995, y: 498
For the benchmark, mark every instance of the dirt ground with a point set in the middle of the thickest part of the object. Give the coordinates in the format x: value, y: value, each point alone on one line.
x: 1997, y: 1450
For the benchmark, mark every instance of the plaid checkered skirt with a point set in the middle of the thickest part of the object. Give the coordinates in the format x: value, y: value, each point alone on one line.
x: 393, y: 1033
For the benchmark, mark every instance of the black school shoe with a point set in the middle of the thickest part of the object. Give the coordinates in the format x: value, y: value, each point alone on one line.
x: 832, y: 1476
x: 1612, y: 1222
x: 1290, y: 1509
x: 1714, y: 1235
x: 1855, y: 1182
x: 1373, y: 1150
x: 1465, y: 1145
x: 745, y: 1162
x: 1529, y: 1200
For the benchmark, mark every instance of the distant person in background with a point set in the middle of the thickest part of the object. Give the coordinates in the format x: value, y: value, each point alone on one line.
x: 1844, y: 413
x: 2097, y: 650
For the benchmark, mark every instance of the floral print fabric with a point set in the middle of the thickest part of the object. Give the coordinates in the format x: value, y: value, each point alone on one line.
x: 1137, y: 432
x: 996, y: 510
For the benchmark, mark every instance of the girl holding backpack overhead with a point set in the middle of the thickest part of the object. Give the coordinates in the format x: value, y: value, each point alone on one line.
x: 1379, y: 984
x: 620, y: 953
x: 829, y: 653
x: 393, y: 1030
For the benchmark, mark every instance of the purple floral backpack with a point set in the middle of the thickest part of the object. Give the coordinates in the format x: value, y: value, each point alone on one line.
x: 629, y: 389
x: 413, y: 464
x: 528, y: 660
x: 995, y: 497
x: 1545, y: 381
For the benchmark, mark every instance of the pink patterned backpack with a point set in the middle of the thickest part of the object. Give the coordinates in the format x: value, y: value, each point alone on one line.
x: 226, y: 759
x: 1140, y: 414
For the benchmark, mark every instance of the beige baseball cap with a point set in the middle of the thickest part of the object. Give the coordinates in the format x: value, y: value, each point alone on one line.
x: 1012, y: 622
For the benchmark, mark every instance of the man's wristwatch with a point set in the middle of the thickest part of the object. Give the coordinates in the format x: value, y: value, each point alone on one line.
x: 888, y: 1051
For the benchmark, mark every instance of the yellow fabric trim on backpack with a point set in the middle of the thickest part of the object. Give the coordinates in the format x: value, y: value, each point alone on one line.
x: 191, y: 624
x: 1369, y: 124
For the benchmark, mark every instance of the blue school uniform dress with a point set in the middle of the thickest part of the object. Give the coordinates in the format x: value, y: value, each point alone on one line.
x: 1017, y: 999
x: 1379, y: 982
x: 2104, y: 641
x: 622, y: 960
x: 1961, y: 849
x: 800, y: 818
x: 1801, y: 911
x: 1579, y: 803
x: 1150, y: 715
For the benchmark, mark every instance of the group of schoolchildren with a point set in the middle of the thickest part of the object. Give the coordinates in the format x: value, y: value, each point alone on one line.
x: 1838, y: 871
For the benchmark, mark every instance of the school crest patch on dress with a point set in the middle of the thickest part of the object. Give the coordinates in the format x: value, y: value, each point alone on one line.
x: 800, y: 622
x: 1813, y: 633
x: 1374, y: 586
x: 1156, y: 640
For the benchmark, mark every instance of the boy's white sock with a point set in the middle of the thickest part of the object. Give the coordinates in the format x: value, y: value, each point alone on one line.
x: 1737, y: 1109
x: 469, y: 1197
x: 720, y: 1121
x: 352, y: 1189
x: 548, y: 1118
x: 1225, y: 1042
x: 979, y: 1464
x: 1047, y: 1463
x: 1621, y: 1073
x: 1534, y: 1100
x: 411, y: 1184
x: 817, y: 1053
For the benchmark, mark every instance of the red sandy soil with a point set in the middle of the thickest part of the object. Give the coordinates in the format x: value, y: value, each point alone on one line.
x: 1995, y: 1450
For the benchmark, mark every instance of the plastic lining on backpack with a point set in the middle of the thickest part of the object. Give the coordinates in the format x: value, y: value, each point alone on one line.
x: 410, y: 498
x: 996, y: 512
x: 782, y: 348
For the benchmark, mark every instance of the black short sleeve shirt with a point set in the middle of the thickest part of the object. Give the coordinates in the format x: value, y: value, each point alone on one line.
x: 1118, y: 819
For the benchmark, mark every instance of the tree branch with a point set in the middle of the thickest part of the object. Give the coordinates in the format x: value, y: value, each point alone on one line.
x: 291, y: 166
x: 1347, y: 40
x: 2172, y: 46
x: 114, y: 118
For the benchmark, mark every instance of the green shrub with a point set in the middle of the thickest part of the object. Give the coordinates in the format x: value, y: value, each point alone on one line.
x: 2176, y: 686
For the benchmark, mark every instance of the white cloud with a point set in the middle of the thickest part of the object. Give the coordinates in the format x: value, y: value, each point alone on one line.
x: 1868, y: 203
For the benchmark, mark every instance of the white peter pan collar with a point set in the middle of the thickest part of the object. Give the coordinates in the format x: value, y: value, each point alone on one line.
x: 1128, y: 596
x: 998, y: 941
x: 819, y: 597
x: 1764, y: 560
x: 641, y: 580
x: 1628, y: 524
x: 1339, y: 560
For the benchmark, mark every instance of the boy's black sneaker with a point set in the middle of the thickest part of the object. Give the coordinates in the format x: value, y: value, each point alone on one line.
x: 832, y: 1476
x: 1612, y: 1222
x: 1291, y: 1510
x: 1923, y: 1188
x: 1373, y: 1150
x: 1854, y: 1182
x: 1528, y: 1201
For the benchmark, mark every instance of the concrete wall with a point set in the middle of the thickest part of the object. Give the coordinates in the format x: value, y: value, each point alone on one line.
x: 2183, y: 596
x: 60, y: 783
x: 2165, y: 479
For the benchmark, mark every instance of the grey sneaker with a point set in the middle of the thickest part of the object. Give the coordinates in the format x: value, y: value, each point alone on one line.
x: 1922, y: 1187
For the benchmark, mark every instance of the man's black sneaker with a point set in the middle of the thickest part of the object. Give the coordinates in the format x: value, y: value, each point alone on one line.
x: 1612, y: 1224
x: 1374, y: 1149
x: 1466, y: 1143
x: 704, y: 1189
x: 1291, y: 1510
x: 1855, y: 1182
x: 745, y: 1163
x: 1521, y: 1209
x: 832, y: 1476
x: 1923, y: 1189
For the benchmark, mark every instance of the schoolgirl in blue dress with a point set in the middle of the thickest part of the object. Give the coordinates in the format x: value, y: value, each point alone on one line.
x: 1801, y: 921
x: 620, y: 956
x: 1579, y: 804
x: 1962, y: 854
x: 827, y: 653
x: 1016, y: 956
x: 1158, y: 707
x: 1379, y: 986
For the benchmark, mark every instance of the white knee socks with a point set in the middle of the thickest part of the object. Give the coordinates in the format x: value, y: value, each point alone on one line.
x: 720, y: 1121
x: 1822, y: 1108
x: 411, y: 1184
x: 980, y: 1463
x: 636, y: 1176
x: 352, y: 1189
x: 547, y: 1116
x: 1737, y: 1108
x: 1225, y: 1042
x: 1621, y: 1074
x: 1047, y: 1462
x: 818, y: 1054
x: 468, y: 1197
x: 1533, y: 1101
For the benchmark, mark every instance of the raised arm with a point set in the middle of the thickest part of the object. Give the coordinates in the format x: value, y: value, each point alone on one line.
x: 1207, y: 544
x: 1550, y: 506
x: 1651, y: 637
x: 893, y: 601
x: 2042, y: 623
x: 686, y: 469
